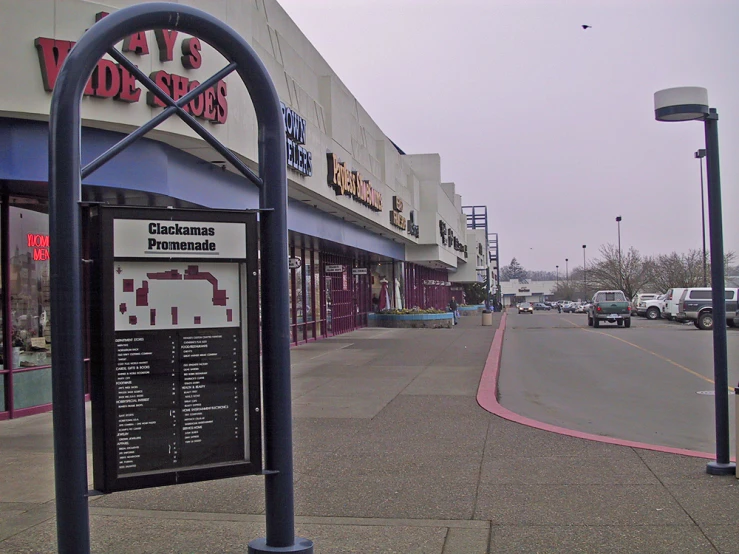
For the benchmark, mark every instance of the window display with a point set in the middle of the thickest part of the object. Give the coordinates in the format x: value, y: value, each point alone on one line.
x: 30, y: 298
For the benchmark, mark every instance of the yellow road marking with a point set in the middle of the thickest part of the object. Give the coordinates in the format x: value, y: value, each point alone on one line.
x: 660, y: 356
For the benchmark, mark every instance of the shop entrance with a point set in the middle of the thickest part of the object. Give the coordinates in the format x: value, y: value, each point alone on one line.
x: 362, y: 294
x: 341, y: 306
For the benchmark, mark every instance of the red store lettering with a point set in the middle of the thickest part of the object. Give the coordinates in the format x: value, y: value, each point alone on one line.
x: 110, y: 80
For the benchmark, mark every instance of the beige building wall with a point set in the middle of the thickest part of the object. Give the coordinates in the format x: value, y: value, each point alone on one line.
x: 336, y: 122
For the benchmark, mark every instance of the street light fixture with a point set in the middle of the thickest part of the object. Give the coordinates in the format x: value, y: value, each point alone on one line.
x: 700, y: 154
x: 557, y: 273
x: 584, y: 275
x: 567, y: 271
x: 688, y: 104
x: 620, y: 266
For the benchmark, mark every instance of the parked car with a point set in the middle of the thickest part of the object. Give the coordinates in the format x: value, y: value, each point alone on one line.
x: 569, y: 307
x: 652, y: 309
x: 696, y: 305
x: 525, y: 307
x: 609, y: 306
x: 542, y: 306
x: 580, y: 308
x: 673, y: 297
x: 640, y: 298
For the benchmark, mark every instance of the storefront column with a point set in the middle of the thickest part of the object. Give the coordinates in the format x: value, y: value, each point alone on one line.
x: 7, y: 329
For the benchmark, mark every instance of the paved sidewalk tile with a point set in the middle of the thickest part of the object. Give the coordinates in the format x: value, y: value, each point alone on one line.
x: 608, y: 539
x: 579, y: 505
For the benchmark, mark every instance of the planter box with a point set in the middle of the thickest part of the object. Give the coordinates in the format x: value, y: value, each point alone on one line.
x: 411, y: 321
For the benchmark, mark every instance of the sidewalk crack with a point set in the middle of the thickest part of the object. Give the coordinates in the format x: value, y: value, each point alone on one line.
x: 685, y: 511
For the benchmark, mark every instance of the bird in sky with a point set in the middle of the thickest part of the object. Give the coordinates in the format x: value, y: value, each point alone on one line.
x: 587, y: 26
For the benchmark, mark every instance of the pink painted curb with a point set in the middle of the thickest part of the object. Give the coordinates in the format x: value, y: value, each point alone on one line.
x: 487, y: 398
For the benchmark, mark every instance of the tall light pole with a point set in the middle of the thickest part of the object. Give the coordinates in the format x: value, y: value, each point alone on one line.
x: 700, y: 154
x: 557, y: 273
x: 620, y: 266
x: 687, y: 104
x: 584, y: 275
x: 567, y: 271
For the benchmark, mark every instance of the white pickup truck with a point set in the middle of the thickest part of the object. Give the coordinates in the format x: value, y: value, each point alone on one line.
x: 653, y: 308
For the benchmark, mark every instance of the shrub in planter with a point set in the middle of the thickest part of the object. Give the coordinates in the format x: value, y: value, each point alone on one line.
x: 406, y: 311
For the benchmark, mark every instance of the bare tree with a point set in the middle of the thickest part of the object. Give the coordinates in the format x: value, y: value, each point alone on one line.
x: 541, y: 275
x: 678, y: 270
x: 629, y: 272
x: 566, y: 290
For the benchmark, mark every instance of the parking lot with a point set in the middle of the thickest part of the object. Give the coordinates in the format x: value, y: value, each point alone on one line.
x: 650, y: 383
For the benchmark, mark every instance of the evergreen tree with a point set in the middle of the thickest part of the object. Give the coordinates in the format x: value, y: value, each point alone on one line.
x: 514, y: 270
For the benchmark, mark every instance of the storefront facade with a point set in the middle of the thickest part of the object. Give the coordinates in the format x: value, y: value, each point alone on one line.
x: 369, y: 226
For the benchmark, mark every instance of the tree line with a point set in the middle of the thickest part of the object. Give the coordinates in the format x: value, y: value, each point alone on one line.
x: 630, y: 272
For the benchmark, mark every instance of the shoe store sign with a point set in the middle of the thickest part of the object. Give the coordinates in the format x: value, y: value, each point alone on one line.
x: 110, y: 80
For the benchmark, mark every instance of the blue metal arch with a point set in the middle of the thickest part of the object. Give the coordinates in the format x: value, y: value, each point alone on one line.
x: 64, y: 215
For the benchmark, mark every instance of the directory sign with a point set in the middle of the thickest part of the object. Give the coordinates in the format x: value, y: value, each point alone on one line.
x: 175, y: 371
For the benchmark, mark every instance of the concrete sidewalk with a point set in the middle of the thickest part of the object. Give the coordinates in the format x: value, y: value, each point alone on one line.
x: 393, y: 454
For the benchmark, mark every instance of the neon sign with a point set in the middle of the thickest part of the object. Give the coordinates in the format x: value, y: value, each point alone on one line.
x: 40, y: 245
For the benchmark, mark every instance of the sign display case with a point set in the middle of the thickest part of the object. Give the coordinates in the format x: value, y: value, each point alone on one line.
x: 175, y: 363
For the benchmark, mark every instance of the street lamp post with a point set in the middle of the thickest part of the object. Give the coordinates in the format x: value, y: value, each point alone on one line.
x: 700, y: 154
x: 584, y: 275
x: 567, y: 271
x: 687, y: 104
x: 557, y: 274
x: 620, y: 266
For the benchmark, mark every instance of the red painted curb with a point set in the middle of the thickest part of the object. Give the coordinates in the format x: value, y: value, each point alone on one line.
x: 487, y: 398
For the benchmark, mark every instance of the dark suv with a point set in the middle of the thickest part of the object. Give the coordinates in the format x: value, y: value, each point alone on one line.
x: 695, y: 305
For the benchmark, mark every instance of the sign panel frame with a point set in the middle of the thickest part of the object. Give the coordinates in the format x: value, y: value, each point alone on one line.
x: 189, y: 374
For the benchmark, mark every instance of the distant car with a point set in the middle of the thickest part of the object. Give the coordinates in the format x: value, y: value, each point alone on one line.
x: 580, y: 309
x: 569, y: 307
x: 542, y: 306
x: 525, y: 307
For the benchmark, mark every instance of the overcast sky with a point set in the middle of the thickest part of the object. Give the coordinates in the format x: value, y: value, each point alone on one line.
x: 549, y: 125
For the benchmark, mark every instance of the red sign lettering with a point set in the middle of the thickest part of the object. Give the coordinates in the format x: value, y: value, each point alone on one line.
x: 51, y: 56
x: 110, y: 80
x: 165, y: 42
x: 191, y: 58
x: 212, y: 105
x: 137, y: 44
x: 128, y: 92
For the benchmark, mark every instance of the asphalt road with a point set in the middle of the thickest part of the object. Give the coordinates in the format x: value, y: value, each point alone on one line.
x: 645, y: 384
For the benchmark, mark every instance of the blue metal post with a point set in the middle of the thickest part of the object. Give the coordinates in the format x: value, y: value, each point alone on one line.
x: 722, y: 465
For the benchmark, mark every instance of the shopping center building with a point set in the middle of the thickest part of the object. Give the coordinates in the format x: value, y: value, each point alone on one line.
x: 369, y: 224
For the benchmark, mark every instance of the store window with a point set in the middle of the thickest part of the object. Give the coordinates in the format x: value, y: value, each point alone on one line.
x: 30, y: 306
x: 309, y: 296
